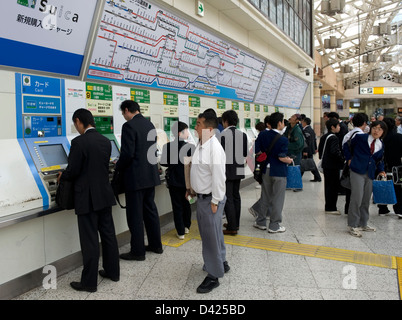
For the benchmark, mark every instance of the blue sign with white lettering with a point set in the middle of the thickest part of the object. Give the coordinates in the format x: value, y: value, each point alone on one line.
x: 43, y: 86
x: 41, y: 105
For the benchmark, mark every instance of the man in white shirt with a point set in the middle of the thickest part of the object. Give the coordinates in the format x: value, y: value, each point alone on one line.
x: 398, y: 123
x: 208, y: 181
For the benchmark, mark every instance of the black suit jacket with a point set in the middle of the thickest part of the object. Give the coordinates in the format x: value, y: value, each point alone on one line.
x: 235, y: 144
x: 138, y: 160
x: 332, y: 156
x: 310, y: 140
x: 88, y: 167
x: 173, y: 158
x: 393, y: 150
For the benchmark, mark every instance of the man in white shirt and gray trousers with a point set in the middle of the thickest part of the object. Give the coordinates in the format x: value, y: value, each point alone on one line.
x: 208, y: 181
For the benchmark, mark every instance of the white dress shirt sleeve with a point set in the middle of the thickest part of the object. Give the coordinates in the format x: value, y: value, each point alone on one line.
x: 218, y: 167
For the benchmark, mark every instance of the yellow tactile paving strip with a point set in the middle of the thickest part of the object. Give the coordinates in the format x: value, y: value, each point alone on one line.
x: 350, y: 256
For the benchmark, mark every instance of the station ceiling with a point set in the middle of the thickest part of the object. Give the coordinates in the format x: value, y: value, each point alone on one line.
x: 354, y: 26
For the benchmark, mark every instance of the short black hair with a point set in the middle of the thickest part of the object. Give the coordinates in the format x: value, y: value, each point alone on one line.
x: 266, y: 120
x: 130, y: 105
x: 390, y: 122
x: 332, y: 122
x: 231, y: 117
x: 307, y: 121
x: 333, y: 115
x: 211, y: 111
x: 275, y: 118
x: 260, y: 126
x: 359, y: 119
x: 382, y: 125
x: 85, y: 116
x: 178, y: 127
x: 210, y: 119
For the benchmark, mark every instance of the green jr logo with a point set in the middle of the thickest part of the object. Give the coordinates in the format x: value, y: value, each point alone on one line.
x: 27, y: 3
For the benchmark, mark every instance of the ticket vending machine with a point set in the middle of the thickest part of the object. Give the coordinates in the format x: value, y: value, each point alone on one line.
x: 248, y: 130
x: 41, y: 130
x: 193, y: 137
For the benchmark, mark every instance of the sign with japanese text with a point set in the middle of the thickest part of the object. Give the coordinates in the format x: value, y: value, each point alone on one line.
x: 140, y: 95
x: 99, y: 99
x: 45, y: 35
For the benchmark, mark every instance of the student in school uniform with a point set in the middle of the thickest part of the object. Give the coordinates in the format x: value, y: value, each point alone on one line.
x: 367, y: 160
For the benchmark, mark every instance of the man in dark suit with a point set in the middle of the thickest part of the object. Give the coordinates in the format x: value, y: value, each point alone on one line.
x: 311, y: 148
x: 88, y: 167
x: 235, y: 144
x: 138, y: 163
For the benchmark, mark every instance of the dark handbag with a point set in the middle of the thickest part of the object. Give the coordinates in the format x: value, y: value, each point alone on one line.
x: 117, y: 184
x: 345, y: 177
x: 65, y: 195
x: 261, y: 161
x: 397, y: 175
x: 307, y: 165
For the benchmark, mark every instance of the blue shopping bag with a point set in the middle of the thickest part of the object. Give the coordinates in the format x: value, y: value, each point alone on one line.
x: 384, y: 192
x: 294, y: 178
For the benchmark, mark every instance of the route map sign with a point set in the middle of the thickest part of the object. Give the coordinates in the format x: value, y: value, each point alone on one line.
x: 292, y: 92
x: 270, y: 84
x: 139, y: 43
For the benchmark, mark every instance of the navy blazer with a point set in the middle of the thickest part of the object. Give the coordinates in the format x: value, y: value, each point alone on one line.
x: 362, y: 160
x: 280, y: 150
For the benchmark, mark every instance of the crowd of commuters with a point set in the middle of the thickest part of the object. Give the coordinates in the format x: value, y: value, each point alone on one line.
x: 216, y: 168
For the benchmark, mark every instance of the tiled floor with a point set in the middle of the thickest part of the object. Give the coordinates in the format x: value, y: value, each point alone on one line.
x: 261, y: 274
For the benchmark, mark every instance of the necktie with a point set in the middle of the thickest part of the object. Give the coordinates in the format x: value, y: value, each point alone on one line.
x: 372, y: 146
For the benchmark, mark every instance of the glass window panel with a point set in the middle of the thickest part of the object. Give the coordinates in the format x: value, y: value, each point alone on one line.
x: 286, y: 17
x: 255, y: 3
x: 291, y: 24
x: 279, y: 12
x: 272, y: 10
x: 264, y: 7
x: 308, y: 42
x: 301, y: 33
x: 308, y: 14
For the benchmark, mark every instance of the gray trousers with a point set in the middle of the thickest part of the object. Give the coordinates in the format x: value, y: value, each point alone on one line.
x: 361, y: 189
x: 273, y: 191
x: 210, y: 227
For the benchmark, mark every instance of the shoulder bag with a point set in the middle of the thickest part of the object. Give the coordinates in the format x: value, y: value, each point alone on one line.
x: 319, y: 165
x: 261, y: 160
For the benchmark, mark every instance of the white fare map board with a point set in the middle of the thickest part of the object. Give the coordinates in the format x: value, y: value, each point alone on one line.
x: 292, y: 92
x: 269, y: 86
x: 139, y: 43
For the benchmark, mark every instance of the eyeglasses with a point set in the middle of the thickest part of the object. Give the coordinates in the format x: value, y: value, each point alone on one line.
x: 377, y: 128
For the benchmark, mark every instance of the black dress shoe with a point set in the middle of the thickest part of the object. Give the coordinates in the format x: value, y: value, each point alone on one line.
x: 226, y: 266
x: 130, y: 256
x: 315, y: 180
x: 79, y: 287
x: 103, y: 274
x: 155, y: 250
x: 208, y: 285
x: 230, y: 232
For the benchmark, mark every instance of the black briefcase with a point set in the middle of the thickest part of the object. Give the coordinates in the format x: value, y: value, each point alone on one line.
x: 65, y: 195
x: 117, y: 184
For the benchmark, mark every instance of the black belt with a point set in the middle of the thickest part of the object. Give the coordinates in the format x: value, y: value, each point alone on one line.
x: 204, y: 196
